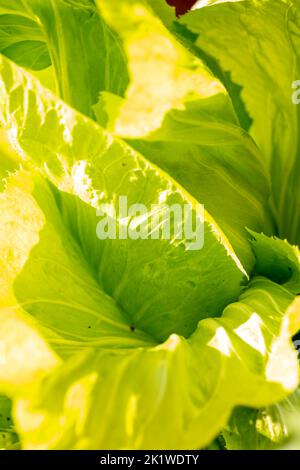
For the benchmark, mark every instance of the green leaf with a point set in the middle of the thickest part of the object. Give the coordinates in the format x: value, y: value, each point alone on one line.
x: 82, y: 45
x: 218, y: 164
x: 251, y: 429
x: 266, y: 428
x: 8, y: 437
x: 72, y: 37
x: 240, y: 43
x: 148, y: 48
x: 249, y: 346
x: 290, y: 409
x: 54, y: 298
x: 86, y: 161
x: 22, y: 40
x: 183, y: 121
x: 121, y: 320
x: 87, y: 352
x: 277, y: 260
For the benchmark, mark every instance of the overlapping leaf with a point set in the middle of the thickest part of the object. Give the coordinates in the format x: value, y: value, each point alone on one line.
x: 105, y: 340
x: 85, y: 161
x: 85, y: 356
x: 86, y: 54
x: 268, y: 428
x: 103, y: 321
x: 253, y: 48
x: 192, y: 131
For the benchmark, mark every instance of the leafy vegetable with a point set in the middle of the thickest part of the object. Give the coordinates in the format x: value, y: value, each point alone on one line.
x: 144, y: 342
x: 77, y: 165
x: 198, y: 140
x: 268, y: 428
x: 241, y: 348
x: 240, y: 41
x: 85, y: 53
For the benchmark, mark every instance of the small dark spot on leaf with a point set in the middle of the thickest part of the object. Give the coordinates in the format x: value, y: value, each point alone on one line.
x: 89, y: 327
x: 132, y: 328
x: 191, y: 284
